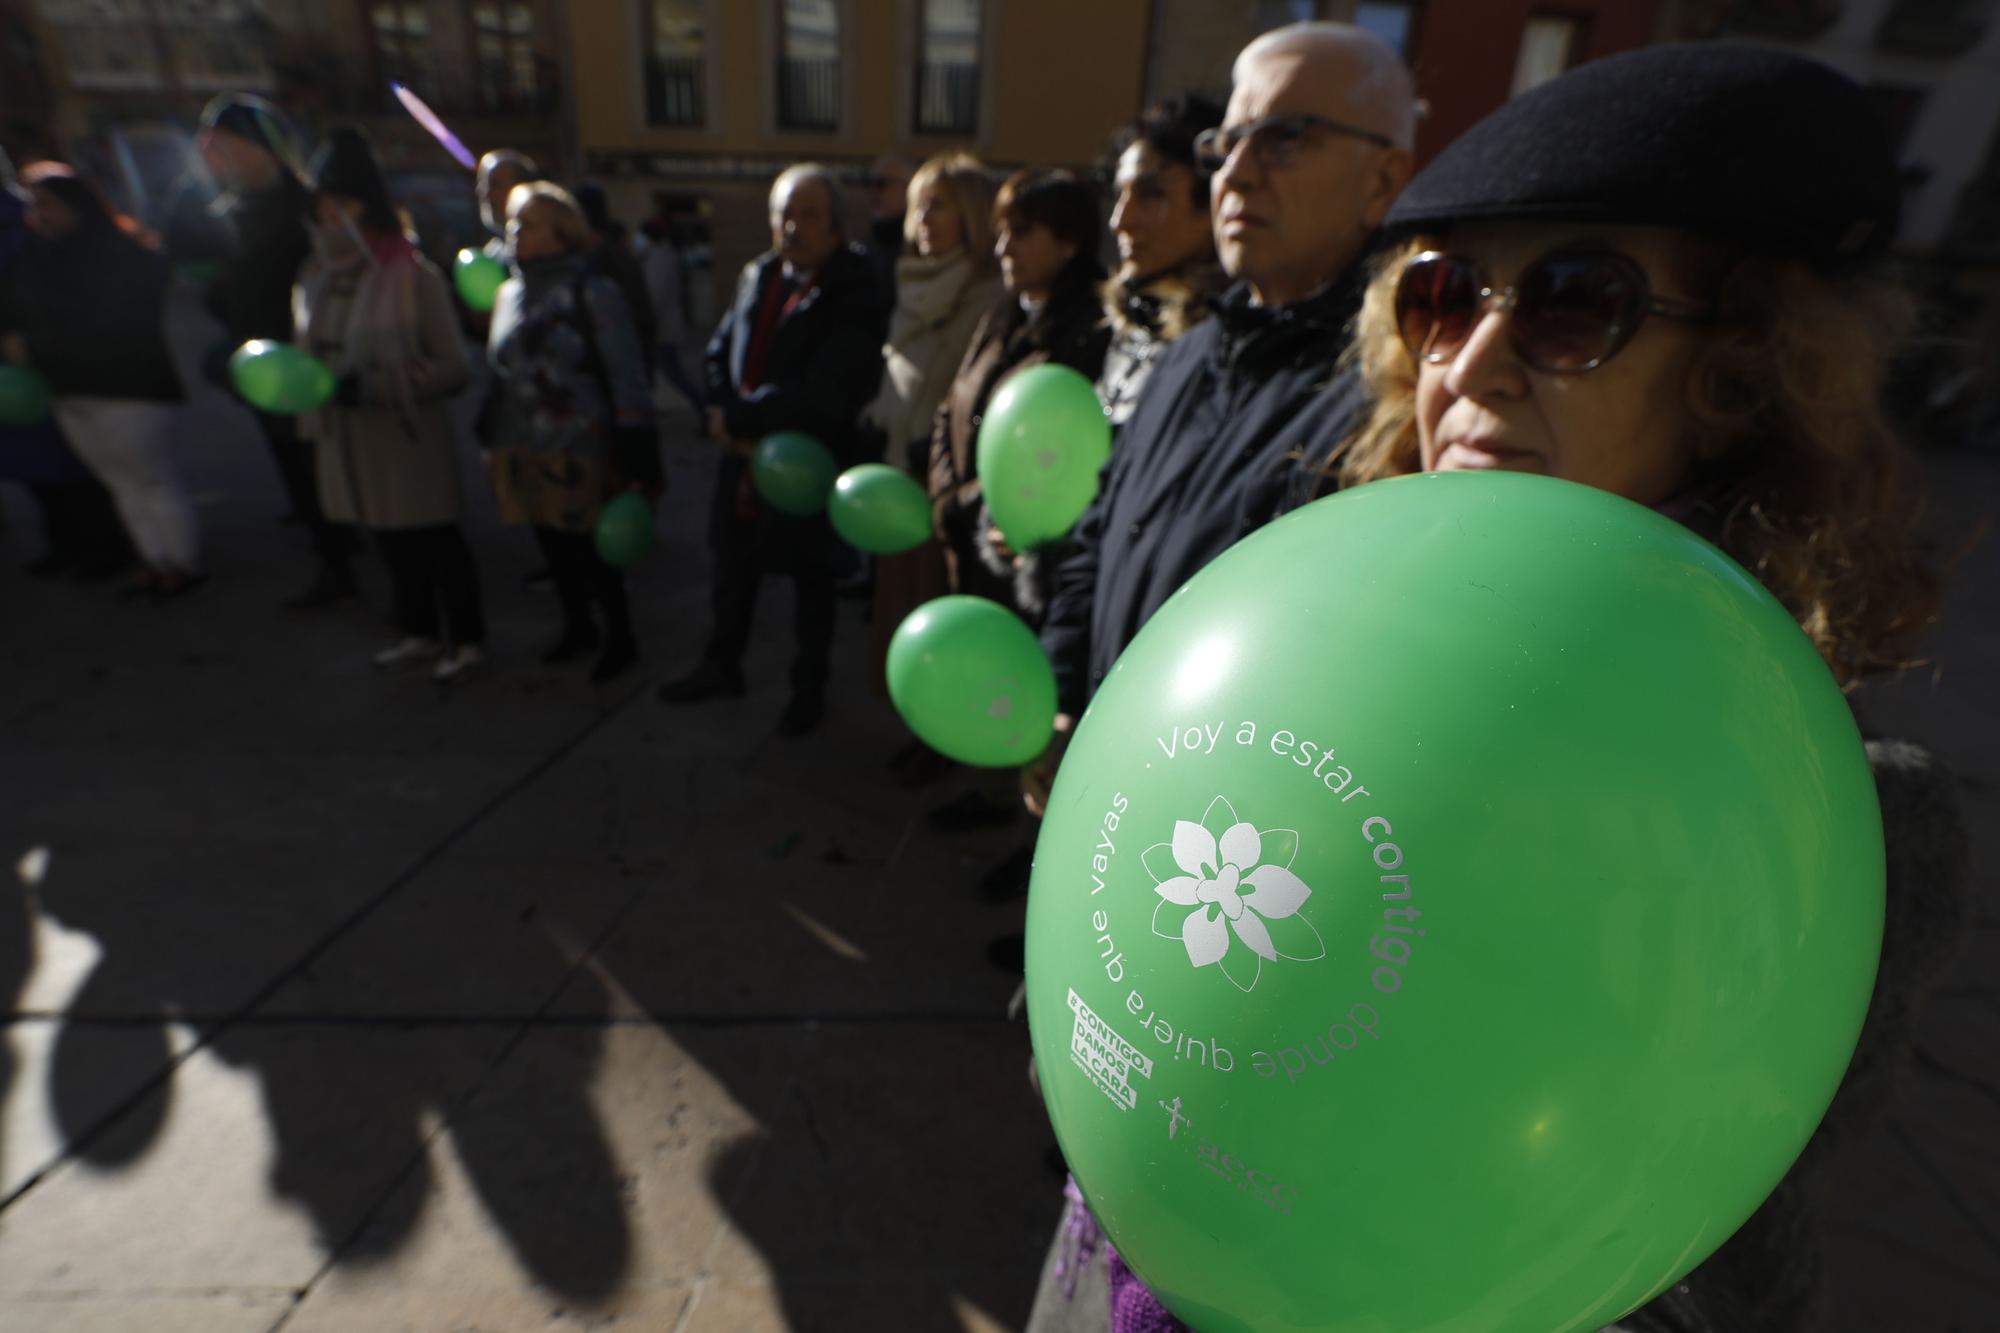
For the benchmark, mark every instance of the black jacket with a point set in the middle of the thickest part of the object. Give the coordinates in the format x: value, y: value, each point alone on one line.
x: 1206, y: 457
x: 92, y: 307
x: 258, y: 240
x: 823, y: 367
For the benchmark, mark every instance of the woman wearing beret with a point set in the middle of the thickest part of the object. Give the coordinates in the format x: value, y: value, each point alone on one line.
x: 1584, y: 287
x: 381, y: 318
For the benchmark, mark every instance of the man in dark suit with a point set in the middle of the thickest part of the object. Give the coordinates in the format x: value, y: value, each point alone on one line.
x: 799, y: 350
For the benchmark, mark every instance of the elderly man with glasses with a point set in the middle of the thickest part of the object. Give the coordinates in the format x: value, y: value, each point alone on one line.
x: 1312, y: 151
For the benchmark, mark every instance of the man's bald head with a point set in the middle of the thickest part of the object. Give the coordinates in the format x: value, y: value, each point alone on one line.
x: 1318, y: 137
x: 1361, y: 74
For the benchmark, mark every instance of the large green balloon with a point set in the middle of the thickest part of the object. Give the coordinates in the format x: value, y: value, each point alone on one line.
x: 624, y: 530
x: 877, y: 508
x: 1455, y: 911
x: 1042, y: 443
x: 793, y: 472
x: 24, y: 396
x: 972, y: 681
x: 477, y: 276
x: 277, y: 377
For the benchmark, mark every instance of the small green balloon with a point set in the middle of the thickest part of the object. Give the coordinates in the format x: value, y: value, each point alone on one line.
x: 24, y: 396
x: 878, y: 508
x: 970, y: 678
x: 1455, y: 910
x: 624, y: 530
x: 1042, y: 443
x: 278, y: 378
x: 478, y: 276
x: 793, y: 472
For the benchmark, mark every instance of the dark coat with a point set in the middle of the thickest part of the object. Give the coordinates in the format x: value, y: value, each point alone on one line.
x: 823, y: 366
x: 1203, y: 460
x: 1068, y: 331
x: 93, y: 308
x: 264, y: 243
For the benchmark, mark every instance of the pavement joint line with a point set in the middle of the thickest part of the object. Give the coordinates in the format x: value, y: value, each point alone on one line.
x: 208, y: 1036
x: 448, y: 1113
x: 1939, y: 1178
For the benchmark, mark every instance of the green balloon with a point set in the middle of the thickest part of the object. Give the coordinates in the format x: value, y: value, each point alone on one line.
x: 970, y: 678
x: 793, y: 472
x: 878, y: 508
x: 277, y: 377
x: 478, y: 276
x: 24, y: 396
x: 1456, y: 910
x: 1042, y: 443
x: 624, y: 530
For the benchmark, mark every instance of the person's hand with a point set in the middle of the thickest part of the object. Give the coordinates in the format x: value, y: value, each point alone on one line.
x: 741, y: 448
x: 1038, y: 777
x: 14, y: 348
x: 718, y: 429
x: 998, y: 541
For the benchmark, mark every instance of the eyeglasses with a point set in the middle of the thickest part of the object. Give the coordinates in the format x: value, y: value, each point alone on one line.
x: 1568, y: 312
x: 1275, y: 141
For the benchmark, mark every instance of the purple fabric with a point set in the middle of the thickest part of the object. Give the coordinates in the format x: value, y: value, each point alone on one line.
x: 1133, y: 1308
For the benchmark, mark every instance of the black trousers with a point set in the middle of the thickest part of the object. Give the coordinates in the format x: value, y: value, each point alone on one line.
x: 741, y: 560
x: 429, y: 566
x: 581, y: 577
x: 333, y: 543
x: 82, y: 525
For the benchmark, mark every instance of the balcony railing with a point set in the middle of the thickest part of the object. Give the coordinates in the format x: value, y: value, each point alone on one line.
x: 676, y: 91
x: 808, y: 94
x: 947, y: 98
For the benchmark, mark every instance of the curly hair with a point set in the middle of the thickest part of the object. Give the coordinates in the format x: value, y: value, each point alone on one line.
x: 1810, y: 487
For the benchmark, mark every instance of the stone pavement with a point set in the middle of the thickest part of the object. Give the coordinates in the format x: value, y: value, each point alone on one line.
x: 344, y: 1003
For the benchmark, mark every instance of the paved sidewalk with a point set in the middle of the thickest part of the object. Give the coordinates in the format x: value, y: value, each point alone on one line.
x: 345, y: 1003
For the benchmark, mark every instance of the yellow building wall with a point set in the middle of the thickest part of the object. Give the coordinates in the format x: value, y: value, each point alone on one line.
x: 1064, y: 73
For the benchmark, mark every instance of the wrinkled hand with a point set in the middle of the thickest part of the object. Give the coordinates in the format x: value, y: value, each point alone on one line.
x: 998, y: 541
x: 14, y: 348
x: 717, y: 427
x: 1038, y: 777
x: 741, y: 448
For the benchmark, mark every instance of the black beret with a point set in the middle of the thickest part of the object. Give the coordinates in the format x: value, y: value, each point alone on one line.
x: 345, y: 165
x: 1727, y: 140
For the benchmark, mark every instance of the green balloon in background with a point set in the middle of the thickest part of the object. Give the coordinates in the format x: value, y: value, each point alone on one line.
x: 970, y: 678
x: 24, y: 396
x: 477, y: 276
x: 1456, y: 910
x: 624, y: 530
x: 878, y: 508
x: 1042, y: 443
x: 793, y: 472
x: 277, y: 377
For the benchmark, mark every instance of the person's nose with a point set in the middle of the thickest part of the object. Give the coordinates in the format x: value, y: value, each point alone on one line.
x: 1486, y: 366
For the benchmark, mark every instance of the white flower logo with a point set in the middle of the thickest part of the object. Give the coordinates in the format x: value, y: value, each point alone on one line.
x: 1240, y: 884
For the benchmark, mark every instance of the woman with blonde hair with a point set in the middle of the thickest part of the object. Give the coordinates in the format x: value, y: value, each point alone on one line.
x: 946, y: 281
x: 1584, y: 286
x: 575, y: 426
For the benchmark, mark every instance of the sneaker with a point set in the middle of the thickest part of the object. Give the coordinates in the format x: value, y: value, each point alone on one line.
x: 455, y: 666
x: 802, y: 714
x: 710, y: 680
x: 406, y: 653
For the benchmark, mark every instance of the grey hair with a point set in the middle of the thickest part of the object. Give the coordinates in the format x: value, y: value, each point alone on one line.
x: 798, y: 174
x: 1380, y: 82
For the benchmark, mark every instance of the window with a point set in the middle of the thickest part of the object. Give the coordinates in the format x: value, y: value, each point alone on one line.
x: 808, y: 65
x: 676, y: 53
x: 1549, y: 45
x: 503, y: 53
x: 948, y: 67
x: 220, y: 58
x: 1394, y: 23
x: 401, y: 29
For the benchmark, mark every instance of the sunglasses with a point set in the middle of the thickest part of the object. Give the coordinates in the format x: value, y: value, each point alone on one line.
x: 1567, y: 313
x: 1275, y: 141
